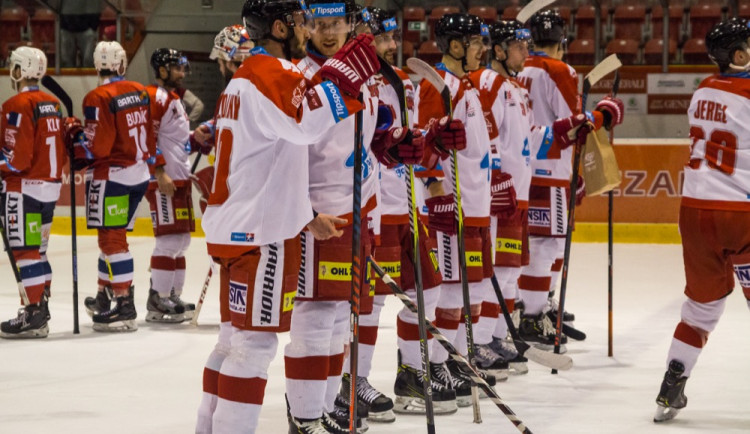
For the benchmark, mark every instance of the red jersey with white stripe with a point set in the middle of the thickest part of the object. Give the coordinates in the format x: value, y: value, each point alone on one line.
x: 717, y: 175
x: 172, y: 129
x: 119, y: 128
x: 474, y: 161
x: 32, y: 127
x: 260, y: 194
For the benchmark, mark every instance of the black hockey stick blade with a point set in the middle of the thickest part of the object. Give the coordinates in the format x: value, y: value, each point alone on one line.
x: 57, y: 90
x: 395, y: 82
x: 568, y: 330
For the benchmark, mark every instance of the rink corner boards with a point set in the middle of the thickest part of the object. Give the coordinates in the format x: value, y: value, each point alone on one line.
x: 636, y: 233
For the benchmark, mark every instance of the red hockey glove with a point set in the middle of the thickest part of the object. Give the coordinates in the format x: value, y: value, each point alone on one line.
x: 75, y: 139
x: 202, y: 180
x: 352, y: 65
x: 444, y: 136
x: 504, y: 201
x: 442, y: 214
x: 613, y: 111
x: 580, y: 190
x: 7, y: 153
x: 572, y: 130
x: 398, y: 146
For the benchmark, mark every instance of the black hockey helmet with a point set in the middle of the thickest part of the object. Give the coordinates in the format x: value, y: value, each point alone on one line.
x: 456, y: 26
x: 166, y: 57
x: 502, y: 32
x: 547, y: 27
x: 259, y: 15
x: 725, y: 38
x: 382, y: 21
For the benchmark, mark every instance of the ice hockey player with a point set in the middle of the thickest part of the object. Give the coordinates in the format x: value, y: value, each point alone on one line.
x: 120, y: 141
x: 463, y: 40
x: 256, y: 209
x: 714, y: 211
x: 553, y: 91
x: 169, y: 194
x: 33, y: 154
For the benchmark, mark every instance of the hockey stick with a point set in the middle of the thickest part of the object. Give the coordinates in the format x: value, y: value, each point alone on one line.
x: 532, y: 8
x: 606, y: 66
x: 356, y: 290
x: 452, y: 352
x: 63, y: 96
x: 16, y: 272
x: 544, y: 358
x: 398, y: 86
x: 199, y: 305
x: 428, y: 73
x: 610, y: 241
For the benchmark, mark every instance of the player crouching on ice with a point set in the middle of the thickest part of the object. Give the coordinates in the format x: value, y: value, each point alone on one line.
x: 31, y: 139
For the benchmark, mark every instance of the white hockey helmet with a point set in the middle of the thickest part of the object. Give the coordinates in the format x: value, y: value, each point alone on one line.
x: 31, y: 61
x: 233, y: 43
x: 109, y: 55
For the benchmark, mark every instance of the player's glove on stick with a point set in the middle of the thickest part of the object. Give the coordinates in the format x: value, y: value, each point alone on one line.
x: 445, y: 135
x: 442, y: 214
x: 572, y: 130
x: 75, y: 139
x: 504, y: 201
x: 398, y: 146
x: 352, y: 65
x: 202, y: 147
x: 612, y: 110
x: 580, y: 190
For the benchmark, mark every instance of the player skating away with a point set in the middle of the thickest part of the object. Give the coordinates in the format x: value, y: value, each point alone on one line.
x: 553, y: 91
x: 463, y: 40
x: 120, y: 141
x: 714, y: 213
x: 169, y: 194
x: 260, y: 199
x: 33, y: 154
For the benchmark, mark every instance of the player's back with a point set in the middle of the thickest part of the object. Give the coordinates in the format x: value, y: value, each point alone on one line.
x: 553, y: 88
x: 33, y: 126
x: 717, y: 175
x: 172, y: 130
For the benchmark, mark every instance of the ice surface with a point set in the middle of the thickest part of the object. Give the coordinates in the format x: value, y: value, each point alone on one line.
x: 150, y: 381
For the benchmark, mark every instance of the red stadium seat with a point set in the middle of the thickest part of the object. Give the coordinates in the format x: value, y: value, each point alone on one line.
x: 652, y: 52
x: 702, y: 17
x: 626, y: 50
x: 629, y: 21
x: 486, y: 13
x: 511, y: 12
x: 564, y: 13
x: 43, y: 26
x: 584, y: 22
x: 676, y: 13
x: 437, y: 13
x: 694, y: 52
x: 428, y: 51
x: 744, y: 11
x: 413, y: 14
x: 408, y: 49
x: 12, y: 23
x: 107, y: 18
x: 581, y: 52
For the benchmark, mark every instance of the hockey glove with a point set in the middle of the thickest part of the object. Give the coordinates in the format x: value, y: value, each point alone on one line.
x: 613, y: 111
x: 572, y: 130
x: 7, y: 153
x: 204, y: 147
x: 398, y: 146
x: 202, y: 180
x: 580, y: 190
x: 352, y: 65
x: 75, y: 140
x: 504, y: 201
x: 445, y: 135
x: 442, y: 214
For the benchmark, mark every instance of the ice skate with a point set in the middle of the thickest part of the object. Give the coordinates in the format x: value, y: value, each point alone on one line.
x: 301, y: 426
x: 506, y: 350
x: 100, y: 303
x: 120, y: 318
x: 553, y: 306
x: 485, y: 359
x: 539, y: 331
x: 189, y: 307
x: 671, y: 397
x: 163, y: 309
x: 409, y: 391
x: 31, y: 323
x: 379, y: 407
x: 337, y: 421
x: 443, y: 376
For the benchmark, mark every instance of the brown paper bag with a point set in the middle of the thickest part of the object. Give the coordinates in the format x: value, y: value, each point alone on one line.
x: 600, y: 170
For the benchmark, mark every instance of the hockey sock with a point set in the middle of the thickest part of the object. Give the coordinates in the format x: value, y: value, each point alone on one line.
x: 460, y: 341
x: 533, y: 291
x: 555, y: 274
x: 368, y: 335
x: 488, y: 319
x: 179, y: 275
x: 407, y: 328
x: 116, y: 271
x: 47, y: 271
x: 32, y: 273
x: 242, y: 381
x: 691, y: 334
x: 447, y: 322
x: 508, y: 279
x: 339, y: 338
x: 211, y: 380
x: 162, y: 274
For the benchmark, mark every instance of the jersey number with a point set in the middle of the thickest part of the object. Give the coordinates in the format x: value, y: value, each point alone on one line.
x: 721, y: 148
x: 52, y: 143
x: 220, y: 189
x: 140, y: 141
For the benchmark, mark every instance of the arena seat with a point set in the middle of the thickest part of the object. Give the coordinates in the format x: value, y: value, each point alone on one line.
x: 652, y: 51
x: 676, y: 13
x: 413, y: 14
x: 581, y: 52
x: 486, y: 13
x: 629, y: 21
x: 702, y: 17
x: 584, y: 22
x: 694, y: 52
x: 437, y: 13
x: 429, y: 52
x: 511, y: 12
x: 43, y: 26
x: 408, y: 50
x: 626, y: 50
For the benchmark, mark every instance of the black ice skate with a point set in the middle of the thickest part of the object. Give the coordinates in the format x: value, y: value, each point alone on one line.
x: 553, y: 307
x: 409, y: 391
x: 506, y: 350
x: 189, y: 307
x: 30, y: 323
x: 671, y: 397
x: 379, y: 407
x: 337, y: 421
x: 100, y: 303
x: 303, y: 426
x: 120, y: 318
x: 539, y: 331
x: 461, y: 374
x: 163, y: 309
x: 441, y: 375
x: 485, y: 359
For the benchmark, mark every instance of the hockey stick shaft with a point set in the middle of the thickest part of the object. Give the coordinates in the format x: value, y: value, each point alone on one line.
x: 610, y: 244
x: 453, y: 353
x: 204, y: 290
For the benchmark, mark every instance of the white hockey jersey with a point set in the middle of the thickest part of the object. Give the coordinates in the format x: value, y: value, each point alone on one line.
x: 718, y: 173
x: 260, y: 191
x: 474, y: 161
x: 172, y: 129
x: 332, y: 157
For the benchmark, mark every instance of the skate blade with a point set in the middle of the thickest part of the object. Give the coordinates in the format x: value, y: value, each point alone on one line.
x: 463, y: 401
x: 165, y: 318
x: 518, y: 368
x: 410, y: 405
x: 499, y: 374
x: 28, y: 334
x: 116, y: 327
x: 387, y: 416
x: 664, y: 414
x: 189, y: 314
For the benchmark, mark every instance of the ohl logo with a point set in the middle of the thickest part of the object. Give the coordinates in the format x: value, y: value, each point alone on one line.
x: 475, y: 259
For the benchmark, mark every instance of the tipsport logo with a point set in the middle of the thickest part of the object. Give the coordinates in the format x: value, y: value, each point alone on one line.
x: 325, y: 10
